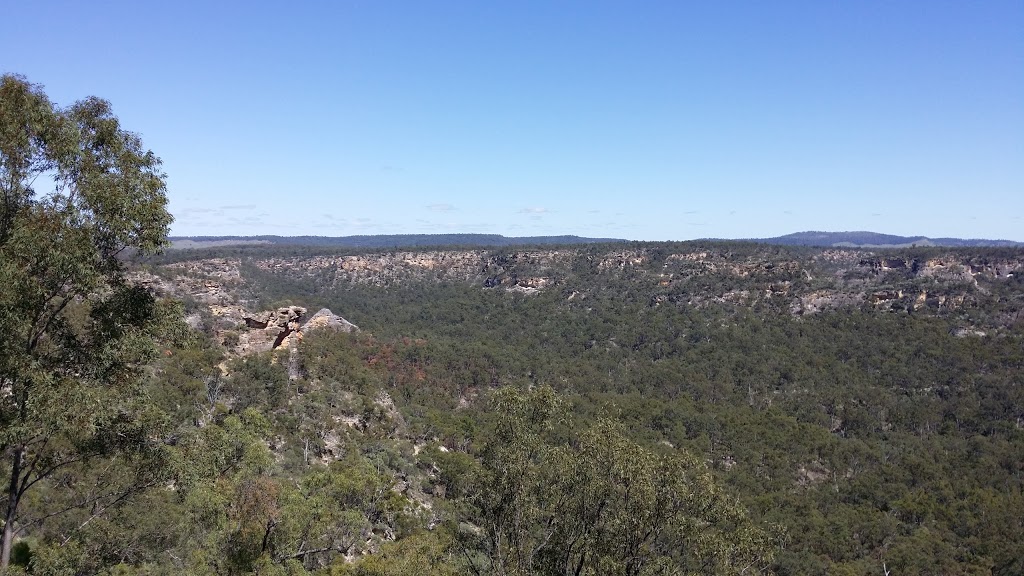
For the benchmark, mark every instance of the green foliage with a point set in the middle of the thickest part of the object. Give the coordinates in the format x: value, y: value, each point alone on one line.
x: 644, y: 414
x: 424, y: 553
x: 257, y: 381
x: 851, y: 427
x: 598, y: 503
x: 74, y: 333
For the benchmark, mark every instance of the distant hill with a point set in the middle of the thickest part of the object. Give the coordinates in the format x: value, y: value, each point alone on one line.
x: 876, y: 240
x: 383, y: 240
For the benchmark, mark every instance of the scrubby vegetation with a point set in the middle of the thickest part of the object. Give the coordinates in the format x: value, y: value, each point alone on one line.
x: 480, y: 430
x: 870, y: 435
x: 606, y: 424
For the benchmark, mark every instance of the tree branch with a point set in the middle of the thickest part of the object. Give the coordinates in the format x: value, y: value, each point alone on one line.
x: 124, y: 496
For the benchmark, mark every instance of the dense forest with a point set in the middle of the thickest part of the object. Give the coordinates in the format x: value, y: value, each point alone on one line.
x: 136, y: 438
x: 607, y: 423
x: 610, y: 422
x: 870, y: 435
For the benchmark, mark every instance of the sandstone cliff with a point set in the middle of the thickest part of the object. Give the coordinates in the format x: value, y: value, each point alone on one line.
x: 797, y: 282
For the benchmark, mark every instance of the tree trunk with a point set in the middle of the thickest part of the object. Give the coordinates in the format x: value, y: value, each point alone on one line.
x: 12, y: 509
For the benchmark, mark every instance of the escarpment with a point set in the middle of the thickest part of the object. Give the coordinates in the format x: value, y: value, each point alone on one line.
x: 795, y: 282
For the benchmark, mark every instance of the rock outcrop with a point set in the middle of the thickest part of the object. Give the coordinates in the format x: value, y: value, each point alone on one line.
x: 284, y: 327
x: 267, y: 330
x: 798, y: 281
x: 327, y: 319
x: 324, y: 319
x: 214, y: 286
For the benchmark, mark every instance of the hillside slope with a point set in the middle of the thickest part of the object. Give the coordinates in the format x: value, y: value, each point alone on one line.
x: 869, y: 402
x: 876, y: 240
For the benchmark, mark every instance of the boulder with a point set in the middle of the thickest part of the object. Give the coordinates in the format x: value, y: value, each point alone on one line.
x: 327, y: 319
x: 269, y: 330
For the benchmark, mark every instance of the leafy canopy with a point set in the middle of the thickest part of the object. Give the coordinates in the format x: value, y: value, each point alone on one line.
x: 76, y: 192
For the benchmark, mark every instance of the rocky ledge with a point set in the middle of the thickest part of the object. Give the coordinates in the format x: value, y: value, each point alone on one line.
x: 281, y: 328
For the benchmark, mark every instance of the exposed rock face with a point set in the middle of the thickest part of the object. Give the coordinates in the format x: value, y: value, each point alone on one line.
x: 268, y: 330
x: 215, y: 284
x: 324, y: 319
x: 947, y: 268
x: 797, y: 283
x: 824, y: 300
x: 885, y: 296
x: 327, y: 319
x: 622, y: 260
x: 214, y: 281
x: 284, y: 327
x: 390, y: 268
x: 528, y: 285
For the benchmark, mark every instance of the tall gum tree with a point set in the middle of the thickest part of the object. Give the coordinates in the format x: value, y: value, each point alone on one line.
x: 596, y: 502
x: 74, y: 333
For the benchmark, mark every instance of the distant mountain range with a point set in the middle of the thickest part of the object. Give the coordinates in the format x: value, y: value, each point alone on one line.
x: 383, y: 240
x: 837, y: 239
x: 875, y: 240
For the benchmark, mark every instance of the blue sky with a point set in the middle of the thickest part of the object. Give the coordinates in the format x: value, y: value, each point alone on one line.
x: 640, y: 120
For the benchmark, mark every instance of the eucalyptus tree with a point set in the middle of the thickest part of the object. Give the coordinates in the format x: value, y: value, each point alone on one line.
x: 556, y: 502
x: 76, y: 193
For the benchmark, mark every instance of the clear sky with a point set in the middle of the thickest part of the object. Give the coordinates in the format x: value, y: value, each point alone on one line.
x: 648, y: 120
